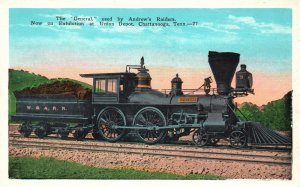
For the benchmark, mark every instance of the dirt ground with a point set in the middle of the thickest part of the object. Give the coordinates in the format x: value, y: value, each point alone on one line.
x: 235, y: 170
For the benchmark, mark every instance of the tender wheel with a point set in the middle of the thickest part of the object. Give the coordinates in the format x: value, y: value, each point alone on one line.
x: 40, y: 132
x: 200, y: 138
x: 150, y: 117
x: 63, y: 133
x: 214, y: 141
x: 107, y: 119
x: 96, y: 135
x: 237, y: 139
x: 25, y: 129
x: 79, y: 134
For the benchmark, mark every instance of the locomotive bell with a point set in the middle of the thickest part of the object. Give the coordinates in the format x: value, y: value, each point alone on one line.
x: 176, y: 85
x: 143, y: 78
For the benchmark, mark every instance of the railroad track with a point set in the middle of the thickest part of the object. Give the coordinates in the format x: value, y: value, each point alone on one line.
x: 191, y: 154
x: 182, y: 144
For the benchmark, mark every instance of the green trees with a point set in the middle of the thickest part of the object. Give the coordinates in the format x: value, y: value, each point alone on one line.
x: 275, y: 115
x: 250, y: 112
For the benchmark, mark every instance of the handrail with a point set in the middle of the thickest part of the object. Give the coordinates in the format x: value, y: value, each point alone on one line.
x: 188, y: 90
x: 132, y: 67
x: 235, y: 113
x: 242, y: 114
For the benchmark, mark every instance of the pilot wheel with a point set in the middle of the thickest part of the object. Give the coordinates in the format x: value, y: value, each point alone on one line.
x: 237, y: 139
x: 200, y: 138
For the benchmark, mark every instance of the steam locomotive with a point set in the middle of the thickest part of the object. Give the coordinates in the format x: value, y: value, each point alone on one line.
x: 125, y: 103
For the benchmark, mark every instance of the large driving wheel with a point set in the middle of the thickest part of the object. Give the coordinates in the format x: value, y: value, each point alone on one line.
x: 237, y: 139
x: 107, y: 119
x: 200, y: 138
x: 150, y: 117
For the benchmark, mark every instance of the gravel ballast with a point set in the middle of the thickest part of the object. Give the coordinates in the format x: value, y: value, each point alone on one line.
x: 183, y: 166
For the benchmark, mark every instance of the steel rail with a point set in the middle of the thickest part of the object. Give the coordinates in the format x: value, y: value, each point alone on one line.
x: 45, y: 147
x: 180, y: 144
x: 157, y: 149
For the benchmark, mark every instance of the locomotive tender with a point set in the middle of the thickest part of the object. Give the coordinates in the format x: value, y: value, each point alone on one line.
x: 125, y: 102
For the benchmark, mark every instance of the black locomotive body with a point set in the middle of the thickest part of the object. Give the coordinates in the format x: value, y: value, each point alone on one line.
x: 125, y: 102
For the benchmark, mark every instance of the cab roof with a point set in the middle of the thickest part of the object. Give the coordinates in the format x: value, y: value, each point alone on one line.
x: 92, y: 75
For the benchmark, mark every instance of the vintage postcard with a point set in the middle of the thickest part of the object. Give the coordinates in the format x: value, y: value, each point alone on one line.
x: 155, y: 93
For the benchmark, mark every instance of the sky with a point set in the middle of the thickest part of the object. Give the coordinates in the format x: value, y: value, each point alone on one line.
x: 263, y: 37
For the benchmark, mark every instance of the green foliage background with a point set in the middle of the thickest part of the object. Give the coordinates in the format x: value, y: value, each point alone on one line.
x: 275, y: 115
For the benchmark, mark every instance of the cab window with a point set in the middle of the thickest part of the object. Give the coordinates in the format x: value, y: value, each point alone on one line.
x: 111, y: 86
x: 100, y: 86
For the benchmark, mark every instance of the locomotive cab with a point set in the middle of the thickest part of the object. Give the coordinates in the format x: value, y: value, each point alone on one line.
x: 111, y: 87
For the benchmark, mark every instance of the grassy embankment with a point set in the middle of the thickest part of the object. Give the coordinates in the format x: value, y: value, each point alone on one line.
x: 49, y: 168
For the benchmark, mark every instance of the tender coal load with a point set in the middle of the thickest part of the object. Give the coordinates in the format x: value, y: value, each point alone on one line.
x: 58, y: 88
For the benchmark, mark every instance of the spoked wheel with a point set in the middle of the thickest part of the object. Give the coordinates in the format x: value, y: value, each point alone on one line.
x: 42, y: 130
x: 63, y: 133
x: 214, y: 141
x: 25, y: 129
x: 237, y: 139
x: 150, y: 117
x: 107, y: 119
x: 79, y: 134
x: 96, y: 135
x: 200, y: 138
x: 170, y: 137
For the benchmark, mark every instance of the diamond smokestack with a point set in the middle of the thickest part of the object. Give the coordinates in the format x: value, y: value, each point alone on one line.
x: 223, y: 66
